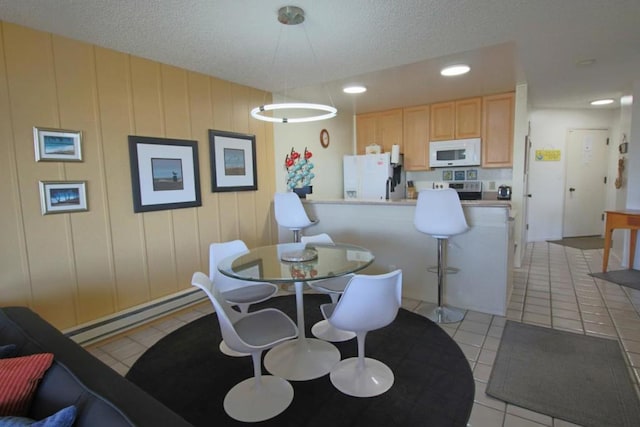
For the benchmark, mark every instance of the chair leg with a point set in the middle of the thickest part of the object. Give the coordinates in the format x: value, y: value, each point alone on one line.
x: 442, y: 313
x: 258, y: 398
x: 257, y: 369
x: 361, y: 336
x: 361, y: 376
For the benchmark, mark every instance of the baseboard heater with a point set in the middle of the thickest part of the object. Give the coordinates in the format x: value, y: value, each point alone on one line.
x: 117, y: 323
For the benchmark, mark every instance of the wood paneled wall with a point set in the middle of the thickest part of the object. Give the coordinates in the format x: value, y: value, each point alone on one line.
x: 73, y: 268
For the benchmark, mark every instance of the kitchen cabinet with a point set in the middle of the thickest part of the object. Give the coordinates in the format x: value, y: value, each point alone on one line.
x: 497, y: 130
x: 383, y: 128
x: 456, y: 119
x: 416, y: 138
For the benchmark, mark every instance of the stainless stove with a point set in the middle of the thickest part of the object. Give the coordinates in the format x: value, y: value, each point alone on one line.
x: 468, y: 190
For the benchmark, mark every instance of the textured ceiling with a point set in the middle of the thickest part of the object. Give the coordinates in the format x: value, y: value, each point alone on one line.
x: 395, y: 48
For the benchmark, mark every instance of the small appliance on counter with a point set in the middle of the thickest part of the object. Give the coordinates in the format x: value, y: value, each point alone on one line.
x: 374, y: 177
x: 504, y: 192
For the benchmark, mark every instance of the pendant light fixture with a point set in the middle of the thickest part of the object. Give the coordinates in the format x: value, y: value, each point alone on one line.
x: 293, y: 15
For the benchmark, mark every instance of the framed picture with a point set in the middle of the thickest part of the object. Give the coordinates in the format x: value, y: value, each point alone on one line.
x: 164, y: 173
x: 63, y: 196
x: 57, y: 145
x: 458, y: 175
x: 233, y: 161
x: 472, y: 174
x: 447, y: 175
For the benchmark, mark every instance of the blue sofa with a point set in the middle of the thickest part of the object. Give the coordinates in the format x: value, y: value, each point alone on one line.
x: 102, y: 396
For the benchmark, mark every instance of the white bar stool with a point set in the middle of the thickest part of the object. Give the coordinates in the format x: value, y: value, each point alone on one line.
x: 291, y: 214
x: 439, y: 214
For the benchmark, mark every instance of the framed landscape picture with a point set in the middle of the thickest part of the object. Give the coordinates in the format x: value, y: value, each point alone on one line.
x: 63, y: 196
x: 233, y: 161
x: 164, y: 173
x: 57, y: 145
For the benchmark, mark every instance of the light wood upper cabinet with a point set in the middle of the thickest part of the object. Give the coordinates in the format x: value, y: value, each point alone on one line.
x: 497, y: 130
x: 416, y: 138
x: 469, y: 118
x: 442, y: 123
x: 365, y: 131
x: 383, y: 128
x: 456, y: 119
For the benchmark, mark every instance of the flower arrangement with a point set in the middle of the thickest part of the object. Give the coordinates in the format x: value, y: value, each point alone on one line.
x: 299, y: 169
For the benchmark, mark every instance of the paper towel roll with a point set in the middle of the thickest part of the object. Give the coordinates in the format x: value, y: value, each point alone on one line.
x: 395, y: 153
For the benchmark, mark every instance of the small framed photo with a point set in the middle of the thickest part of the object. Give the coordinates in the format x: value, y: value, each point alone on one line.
x: 459, y: 176
x: 63, y: 196
x: 472, y: 174
x: 447, y: 175
x: 57, y: 145
x: 233, y: 161
x: 164, y: 173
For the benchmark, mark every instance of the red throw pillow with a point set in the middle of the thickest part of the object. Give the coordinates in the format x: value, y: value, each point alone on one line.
x: 19, y: 378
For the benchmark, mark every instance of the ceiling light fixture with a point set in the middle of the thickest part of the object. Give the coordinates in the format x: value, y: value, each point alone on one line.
x: 455, y: 70
x: 354, y: 89
x: 602, y: 101
x: 293, y: 15
x: 585, y: 62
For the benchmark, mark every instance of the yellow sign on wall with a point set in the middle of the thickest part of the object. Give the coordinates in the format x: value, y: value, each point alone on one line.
x: 547, y: 155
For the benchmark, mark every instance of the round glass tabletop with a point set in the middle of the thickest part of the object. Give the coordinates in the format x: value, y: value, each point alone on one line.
x: 295, y: 262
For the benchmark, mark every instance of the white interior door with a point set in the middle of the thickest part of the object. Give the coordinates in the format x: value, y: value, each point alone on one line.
x: 584, y: 197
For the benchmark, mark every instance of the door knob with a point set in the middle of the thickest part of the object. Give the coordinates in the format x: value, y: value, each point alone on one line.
x: 572, y: 189
x: 529, y: 195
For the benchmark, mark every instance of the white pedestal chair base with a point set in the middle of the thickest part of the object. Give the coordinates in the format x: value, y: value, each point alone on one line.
x: 376, y: 377
x: 301, y: 359
x: 224, y: 348
x: 247, y: 403
x: 442, y: 314
x: 290, y: 287
x: 325, y: 331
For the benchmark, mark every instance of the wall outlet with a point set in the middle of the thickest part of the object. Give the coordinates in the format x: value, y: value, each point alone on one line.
x: 492, y: 185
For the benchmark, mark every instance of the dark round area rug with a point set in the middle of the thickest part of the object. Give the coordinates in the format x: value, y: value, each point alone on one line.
x: 433, y: 381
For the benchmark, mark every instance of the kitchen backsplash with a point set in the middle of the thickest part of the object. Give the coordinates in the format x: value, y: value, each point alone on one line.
x: 491, y: 178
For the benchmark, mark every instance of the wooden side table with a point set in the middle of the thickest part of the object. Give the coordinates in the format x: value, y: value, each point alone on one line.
x: 628, y: 219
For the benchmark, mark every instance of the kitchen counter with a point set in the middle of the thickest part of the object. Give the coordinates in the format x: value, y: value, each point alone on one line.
x: 410, y: 202
x: 484, y: 254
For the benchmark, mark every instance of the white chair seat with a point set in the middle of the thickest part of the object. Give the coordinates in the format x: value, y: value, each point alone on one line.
x: 249, y: 294
x: 265, y: 326
x: 327, y: 310
x: 334, y: 287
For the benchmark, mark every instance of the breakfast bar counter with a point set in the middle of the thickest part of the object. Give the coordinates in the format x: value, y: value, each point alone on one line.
x: 483, y: 255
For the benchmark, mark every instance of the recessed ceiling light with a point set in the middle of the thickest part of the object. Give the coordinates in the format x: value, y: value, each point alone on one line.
x: 602, y: 101
x: 354, y: 89
x: 585, y: 62
x: 455, y: 70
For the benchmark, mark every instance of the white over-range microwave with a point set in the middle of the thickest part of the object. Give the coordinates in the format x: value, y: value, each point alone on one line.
x: 457, y: 152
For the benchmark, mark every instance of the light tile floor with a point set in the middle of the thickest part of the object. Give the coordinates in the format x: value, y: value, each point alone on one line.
x: 552, y: 289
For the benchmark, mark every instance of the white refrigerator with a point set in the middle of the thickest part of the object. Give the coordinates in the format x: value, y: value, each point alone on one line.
x: 373, y: 177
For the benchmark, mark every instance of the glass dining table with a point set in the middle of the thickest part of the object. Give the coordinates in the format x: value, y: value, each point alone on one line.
x: 303, y: 358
